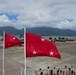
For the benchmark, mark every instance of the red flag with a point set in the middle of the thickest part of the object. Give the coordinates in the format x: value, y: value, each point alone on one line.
x: 11, y: 41
x: 38, y: 46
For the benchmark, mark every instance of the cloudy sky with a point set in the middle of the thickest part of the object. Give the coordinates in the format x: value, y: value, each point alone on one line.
x: 35, y: 13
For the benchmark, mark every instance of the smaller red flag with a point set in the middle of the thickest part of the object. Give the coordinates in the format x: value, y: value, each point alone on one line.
x: 11, y: 41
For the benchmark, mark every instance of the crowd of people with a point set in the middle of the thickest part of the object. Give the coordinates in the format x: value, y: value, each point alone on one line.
x: 57, y: 71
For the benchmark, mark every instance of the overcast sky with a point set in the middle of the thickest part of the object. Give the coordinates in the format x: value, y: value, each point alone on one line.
x: 35, y: 13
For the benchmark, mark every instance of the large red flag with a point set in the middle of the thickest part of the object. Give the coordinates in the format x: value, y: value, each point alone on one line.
x: 38, y: 46
x: 11, y: 41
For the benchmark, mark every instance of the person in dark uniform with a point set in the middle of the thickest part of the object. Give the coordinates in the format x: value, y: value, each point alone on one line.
x: 58, y: 71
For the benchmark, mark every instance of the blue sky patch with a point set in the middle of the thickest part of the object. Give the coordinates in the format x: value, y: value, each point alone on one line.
x: 10, y: 16
x: 69, y: 20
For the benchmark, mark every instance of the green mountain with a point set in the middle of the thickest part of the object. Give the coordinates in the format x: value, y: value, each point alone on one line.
x: 52, y: 31
x: 47, y: 31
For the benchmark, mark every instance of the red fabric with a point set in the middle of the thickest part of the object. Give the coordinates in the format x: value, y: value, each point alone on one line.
x: 11, y: 41
x: 37, y: 46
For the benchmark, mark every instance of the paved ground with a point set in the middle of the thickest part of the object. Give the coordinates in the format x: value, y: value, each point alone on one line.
x: 14, y: 58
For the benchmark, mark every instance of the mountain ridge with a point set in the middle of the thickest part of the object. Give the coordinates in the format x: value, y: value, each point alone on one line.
x: 52, y: 31
x: 45, y: 31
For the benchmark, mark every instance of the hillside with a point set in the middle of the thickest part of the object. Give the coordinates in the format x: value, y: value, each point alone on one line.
x: 52, y: 31
x: 40, y: 31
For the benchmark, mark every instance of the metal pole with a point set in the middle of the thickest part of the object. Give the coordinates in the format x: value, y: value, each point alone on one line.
x: 24, y: 50
x: 3, y: 51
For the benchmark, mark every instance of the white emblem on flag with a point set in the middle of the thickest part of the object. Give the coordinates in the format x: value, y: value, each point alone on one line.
x: 14, y: 38
x: 51, y: 53
x: 42, y: 39
x: 34, y: 52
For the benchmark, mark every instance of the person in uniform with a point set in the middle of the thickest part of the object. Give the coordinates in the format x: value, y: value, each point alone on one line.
x: 66, y: 70
x: 48, y: 70
x: 54, y: 71
x: 39, y: 72
x: 72, y: 70
x: 61, y: 72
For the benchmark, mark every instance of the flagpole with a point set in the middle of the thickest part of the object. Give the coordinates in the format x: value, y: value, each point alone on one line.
x: 3, y: 51
x: 24, y: 51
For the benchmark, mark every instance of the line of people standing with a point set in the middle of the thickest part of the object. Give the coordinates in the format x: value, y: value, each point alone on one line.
x: 61, y: 71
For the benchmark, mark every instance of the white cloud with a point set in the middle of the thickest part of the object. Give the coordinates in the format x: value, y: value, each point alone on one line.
x: 4, y: 20
x: 64, y: 24
x: 53, y: 13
